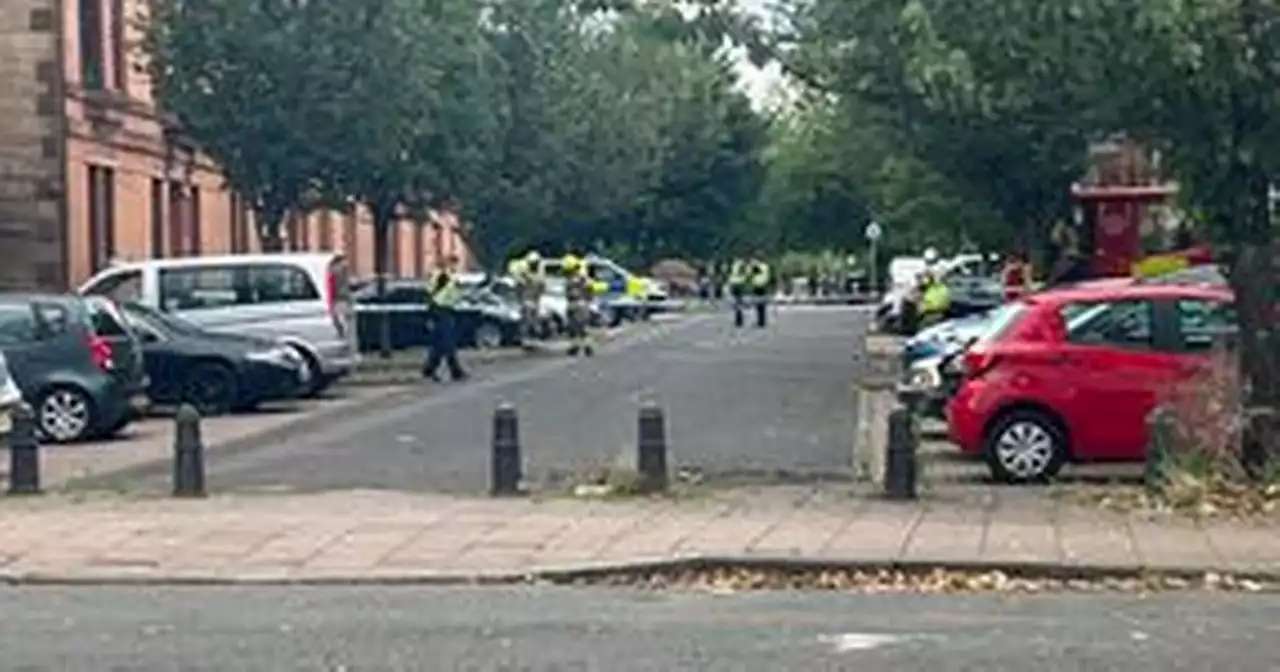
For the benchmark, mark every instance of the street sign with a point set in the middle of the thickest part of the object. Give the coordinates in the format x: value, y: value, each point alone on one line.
x: 873, y: 231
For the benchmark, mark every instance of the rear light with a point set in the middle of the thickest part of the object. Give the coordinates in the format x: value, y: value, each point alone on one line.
x: 101, y: 352
x: 978, y: 363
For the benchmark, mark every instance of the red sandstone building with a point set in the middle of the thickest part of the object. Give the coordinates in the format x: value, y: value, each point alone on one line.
x: 89, y: 174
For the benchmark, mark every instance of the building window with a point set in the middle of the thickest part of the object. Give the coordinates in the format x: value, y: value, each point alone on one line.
x: 349, y: 237
x: 102, y: 216
x: 92, y: 53
x: 119, y: 46
x: 194, y: 246
x: 177, y: 220
x: 304, y: 231
x: 419, y: 249
x: 157, y: 218
x: 239, y: 226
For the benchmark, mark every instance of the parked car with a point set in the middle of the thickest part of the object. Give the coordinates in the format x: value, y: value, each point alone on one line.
x: 79, y: 386
x: 301, y: 299
x: 217, y: 373
x: 1071, y: 374
x: 10, y: 397
x: 553, y: 307
x: 485, y: 320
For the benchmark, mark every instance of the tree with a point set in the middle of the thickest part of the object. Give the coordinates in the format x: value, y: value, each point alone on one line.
x: 1203, y: 78
x: 236, y: 76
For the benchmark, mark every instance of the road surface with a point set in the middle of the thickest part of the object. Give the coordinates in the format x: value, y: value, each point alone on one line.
x: 741, y: 405
x: 544, y: 629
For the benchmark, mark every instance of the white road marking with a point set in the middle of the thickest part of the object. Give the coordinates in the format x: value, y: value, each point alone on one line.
x: 858, y: 641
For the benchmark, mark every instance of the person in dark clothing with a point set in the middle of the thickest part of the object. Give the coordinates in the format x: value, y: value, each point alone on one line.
x: 443, y: 347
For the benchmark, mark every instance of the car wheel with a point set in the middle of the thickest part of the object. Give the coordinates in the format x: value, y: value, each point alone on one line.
x: 1025, y: 446
x: 315, y: 377
x: 488, y: 336
x: 211, y: 388
x: 64, y: 415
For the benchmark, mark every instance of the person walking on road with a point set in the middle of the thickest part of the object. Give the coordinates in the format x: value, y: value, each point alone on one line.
x: 443, y: 348
x: 738, y: 271
x: 760, y: 278
x: 578, y: 292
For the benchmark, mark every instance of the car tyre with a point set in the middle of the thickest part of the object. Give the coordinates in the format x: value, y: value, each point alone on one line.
x: 211, y: 388
x: 488, y: 336
x: 65, y: 415
x: 1025, y: 446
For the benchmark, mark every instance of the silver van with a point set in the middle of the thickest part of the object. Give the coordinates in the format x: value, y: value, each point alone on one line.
x: 300, y: 299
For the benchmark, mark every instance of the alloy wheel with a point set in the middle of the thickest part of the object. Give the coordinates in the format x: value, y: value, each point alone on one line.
x: 64, y: 415
x: 1025, y: 449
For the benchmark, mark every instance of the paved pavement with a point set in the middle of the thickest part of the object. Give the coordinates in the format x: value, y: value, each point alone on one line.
x: 741, y: 404
x: 374, y: 535
x: 542, y: 629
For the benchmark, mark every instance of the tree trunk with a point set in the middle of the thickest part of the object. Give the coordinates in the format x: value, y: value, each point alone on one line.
x: 1254, y: 274
x: 383, y: 217
x: 269, y: 215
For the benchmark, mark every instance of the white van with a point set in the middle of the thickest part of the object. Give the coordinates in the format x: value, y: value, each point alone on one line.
x: 300, y: 299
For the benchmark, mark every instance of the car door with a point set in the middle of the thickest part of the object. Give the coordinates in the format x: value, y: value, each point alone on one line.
x: 1202, y: 326
x: 407, y: 306
x: 1117, y: 364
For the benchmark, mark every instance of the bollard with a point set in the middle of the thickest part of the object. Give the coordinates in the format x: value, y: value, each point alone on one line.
x: 188, y: 453
x: 651, y: 457
x: 1162, y: 428
x: 506, y: 466
x: 24, y: 453
x: 900, y: 456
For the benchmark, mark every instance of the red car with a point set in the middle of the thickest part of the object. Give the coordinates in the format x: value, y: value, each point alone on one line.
x: 1071, y: 374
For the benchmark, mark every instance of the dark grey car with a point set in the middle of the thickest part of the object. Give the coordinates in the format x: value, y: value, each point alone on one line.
x: 79, y: 386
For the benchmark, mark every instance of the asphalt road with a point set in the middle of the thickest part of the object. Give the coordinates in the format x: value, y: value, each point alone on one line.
x: 544, y: 629
x: 741, y: 404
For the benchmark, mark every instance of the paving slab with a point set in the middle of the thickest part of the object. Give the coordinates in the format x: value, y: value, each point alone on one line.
x: 354, y: 536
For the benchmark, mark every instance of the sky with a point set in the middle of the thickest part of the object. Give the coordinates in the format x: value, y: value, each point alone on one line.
x: 759, y: 83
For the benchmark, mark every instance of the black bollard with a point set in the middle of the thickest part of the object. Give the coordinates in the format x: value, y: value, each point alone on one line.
x: 506, y: 466
x: 24, y: 453
x: 900, y: 456
x: 651, y: 458
x: 188, y: 453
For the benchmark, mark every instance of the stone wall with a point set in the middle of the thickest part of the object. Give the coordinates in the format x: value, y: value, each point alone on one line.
x: 32, y: 146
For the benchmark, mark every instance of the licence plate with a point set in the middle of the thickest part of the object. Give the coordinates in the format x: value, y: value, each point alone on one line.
x: 139, y: 402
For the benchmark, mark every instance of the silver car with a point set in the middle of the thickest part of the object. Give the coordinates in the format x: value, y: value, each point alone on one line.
x: 301, y: 300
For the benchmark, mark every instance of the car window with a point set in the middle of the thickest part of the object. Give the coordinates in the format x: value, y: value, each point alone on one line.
x: 603, y: 273
x: 222, y: 286
x: 120, y: 287
x: 17, y: 324
x: 1202, y: 323
x: 104, y: 321
x: 279, y: 283
x: 1119, y: 323
x: 197, y: 288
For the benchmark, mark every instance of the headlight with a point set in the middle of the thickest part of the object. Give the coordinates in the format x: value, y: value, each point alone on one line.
x: 923, y: 377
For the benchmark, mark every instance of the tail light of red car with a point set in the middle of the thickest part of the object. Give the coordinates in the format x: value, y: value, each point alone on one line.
x: 101, y: 352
